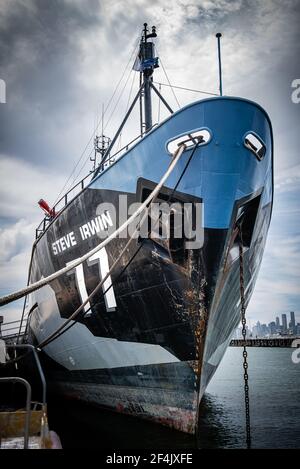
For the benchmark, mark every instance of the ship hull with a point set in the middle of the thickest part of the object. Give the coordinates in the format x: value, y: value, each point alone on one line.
x: 150, y: 346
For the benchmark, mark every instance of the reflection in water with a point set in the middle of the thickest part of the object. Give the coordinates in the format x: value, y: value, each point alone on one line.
x: 214, y: 429
x: 274, y: 407
x: 83, y: 426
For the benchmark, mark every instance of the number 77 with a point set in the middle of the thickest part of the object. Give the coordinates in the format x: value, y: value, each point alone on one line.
x: 101, y: 258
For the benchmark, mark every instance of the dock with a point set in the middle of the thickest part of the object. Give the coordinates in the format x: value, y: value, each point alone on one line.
x: 286, y: 342
x: 22, y: 427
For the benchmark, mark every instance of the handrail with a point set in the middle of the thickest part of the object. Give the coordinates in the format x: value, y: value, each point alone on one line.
x: 16, y: 379
x: 126, y: 147
x: 11, y: 328
x: 28, y: 387
x: 11, y: 322
x: 43, y: 224
x: 18, y: 326
x: 38, y: 364
x: 11, y: 336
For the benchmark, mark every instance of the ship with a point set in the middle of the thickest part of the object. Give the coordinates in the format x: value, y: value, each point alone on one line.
x: 148, y: 342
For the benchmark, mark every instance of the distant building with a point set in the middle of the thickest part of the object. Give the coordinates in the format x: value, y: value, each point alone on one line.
x: 293, y: 323
x: 277, y: 323
x: 256, y: 330
x: 284, y: 323
x: 293, y: 318
x: 272, y: 328
x: 238, y: 334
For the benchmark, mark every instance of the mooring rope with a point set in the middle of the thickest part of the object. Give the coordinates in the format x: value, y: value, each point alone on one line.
x: 41, y: 283
x: 63, y: 328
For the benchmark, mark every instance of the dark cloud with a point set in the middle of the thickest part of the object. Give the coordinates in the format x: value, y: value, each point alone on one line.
x: 39, y: 58
x: 45, y: 25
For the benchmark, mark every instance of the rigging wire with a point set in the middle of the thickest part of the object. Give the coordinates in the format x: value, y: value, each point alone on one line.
x: 136, y: 44
x: 168, y: 80
x: 127, y: 105
x: 99, y: 122
x: 187, y: 89
x: 158, y: 114
x: 103, y: 128
x: 118, y: 100
x: 130, y: 93
x: 81, y: 168
x: 108, y: 120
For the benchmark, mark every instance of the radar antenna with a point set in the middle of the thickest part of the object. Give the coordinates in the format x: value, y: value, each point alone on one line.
x: 145, y: 63
x: 101, y: 144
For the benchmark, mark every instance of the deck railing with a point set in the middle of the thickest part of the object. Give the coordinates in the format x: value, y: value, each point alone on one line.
x: 79, y: 186
x: 9, y: 331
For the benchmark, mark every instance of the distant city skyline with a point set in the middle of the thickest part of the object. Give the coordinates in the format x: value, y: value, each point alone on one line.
x: 289, y: 325
x: 251, y: 319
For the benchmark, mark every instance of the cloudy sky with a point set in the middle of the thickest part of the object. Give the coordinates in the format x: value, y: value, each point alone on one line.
x: 61, y: 61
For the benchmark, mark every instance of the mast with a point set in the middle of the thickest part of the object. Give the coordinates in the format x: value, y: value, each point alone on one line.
x: 147, y: 63
x: 218, y: 36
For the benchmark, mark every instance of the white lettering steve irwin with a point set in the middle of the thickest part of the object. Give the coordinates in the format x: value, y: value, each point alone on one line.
x: 87, y: 230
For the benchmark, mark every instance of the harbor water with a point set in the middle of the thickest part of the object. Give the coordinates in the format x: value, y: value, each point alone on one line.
x: 274, y: 402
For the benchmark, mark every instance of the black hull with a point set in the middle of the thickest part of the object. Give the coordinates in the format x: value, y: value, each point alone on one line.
x: 159, y: 303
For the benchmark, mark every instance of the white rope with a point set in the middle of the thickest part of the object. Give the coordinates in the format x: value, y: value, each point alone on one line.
x: 41, y: 283
x: 62, y: 329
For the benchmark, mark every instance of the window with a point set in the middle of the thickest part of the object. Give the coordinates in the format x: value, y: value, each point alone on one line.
x: 255, y: 145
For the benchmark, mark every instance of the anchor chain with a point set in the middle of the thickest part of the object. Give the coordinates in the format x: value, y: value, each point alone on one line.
x: 245, y: 353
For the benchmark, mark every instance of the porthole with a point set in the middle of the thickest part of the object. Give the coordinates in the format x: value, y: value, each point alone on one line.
x: 255, y: 145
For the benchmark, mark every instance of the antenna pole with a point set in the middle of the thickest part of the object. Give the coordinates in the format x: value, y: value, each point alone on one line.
x: 141, y: 105
x: 147, y: 89
x: 148, y: 62
x: 218, y: 36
